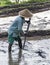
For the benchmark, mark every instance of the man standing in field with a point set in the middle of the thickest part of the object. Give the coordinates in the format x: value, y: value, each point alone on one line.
x: 16, y: 28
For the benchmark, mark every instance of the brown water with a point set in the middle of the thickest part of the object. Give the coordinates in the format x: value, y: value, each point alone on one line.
x: 27, y: 56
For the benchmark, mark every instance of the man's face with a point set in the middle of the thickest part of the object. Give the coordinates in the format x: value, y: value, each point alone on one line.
x: 27, y: 19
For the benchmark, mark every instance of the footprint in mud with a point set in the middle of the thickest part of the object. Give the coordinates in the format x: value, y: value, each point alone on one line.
x: 41, y: 53
x: 2, y: 51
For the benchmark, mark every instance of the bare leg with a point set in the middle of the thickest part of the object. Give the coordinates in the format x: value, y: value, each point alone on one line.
x: 9, y: 48
x: 20, y: 42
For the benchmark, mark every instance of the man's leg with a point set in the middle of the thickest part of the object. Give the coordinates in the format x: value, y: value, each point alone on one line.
x: 10, y: 40
x: 9, y: 47
x: 20, y: 42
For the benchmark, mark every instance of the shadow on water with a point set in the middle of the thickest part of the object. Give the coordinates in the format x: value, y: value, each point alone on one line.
x: 12, y: 62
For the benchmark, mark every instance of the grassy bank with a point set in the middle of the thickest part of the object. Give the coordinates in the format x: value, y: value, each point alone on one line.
x: 8, y: 2
x: 12, y: 10
x: 33, y: 1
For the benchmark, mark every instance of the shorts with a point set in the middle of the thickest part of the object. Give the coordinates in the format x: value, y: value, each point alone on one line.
x: 12, y: 39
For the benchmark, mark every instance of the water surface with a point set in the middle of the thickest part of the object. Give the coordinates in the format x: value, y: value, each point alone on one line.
x: 36, y: 50
x: 27, y: 56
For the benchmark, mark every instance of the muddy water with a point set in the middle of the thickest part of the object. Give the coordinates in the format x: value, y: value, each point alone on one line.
x: 39, y: 21
x: 35, y: 52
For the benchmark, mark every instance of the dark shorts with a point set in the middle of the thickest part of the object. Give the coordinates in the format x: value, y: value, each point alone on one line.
x: 12, y: 39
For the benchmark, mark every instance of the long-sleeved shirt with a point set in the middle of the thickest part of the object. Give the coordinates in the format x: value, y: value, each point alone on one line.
x: 16, y: 27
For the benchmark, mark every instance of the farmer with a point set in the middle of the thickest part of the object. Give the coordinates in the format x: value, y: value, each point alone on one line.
x: 16, y: 28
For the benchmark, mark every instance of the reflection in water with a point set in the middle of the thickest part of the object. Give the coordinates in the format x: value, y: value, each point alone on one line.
x: 12, y: 62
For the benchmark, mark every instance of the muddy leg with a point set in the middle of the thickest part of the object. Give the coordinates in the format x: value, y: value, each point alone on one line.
x: 9, y: 47
x: 20, y: 43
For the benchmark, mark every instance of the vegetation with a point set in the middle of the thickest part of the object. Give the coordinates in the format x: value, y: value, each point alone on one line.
x: 8, y: 2
x: 5, y: 2
x: 37, y: 1
x: 34, y: 1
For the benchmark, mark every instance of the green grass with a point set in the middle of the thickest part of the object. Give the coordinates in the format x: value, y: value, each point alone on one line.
x: 37, y: 0
x: 31, y: 1
x: 4, y: 3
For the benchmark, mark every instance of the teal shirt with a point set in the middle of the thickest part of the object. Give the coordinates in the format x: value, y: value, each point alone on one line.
x: 16, y: 27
